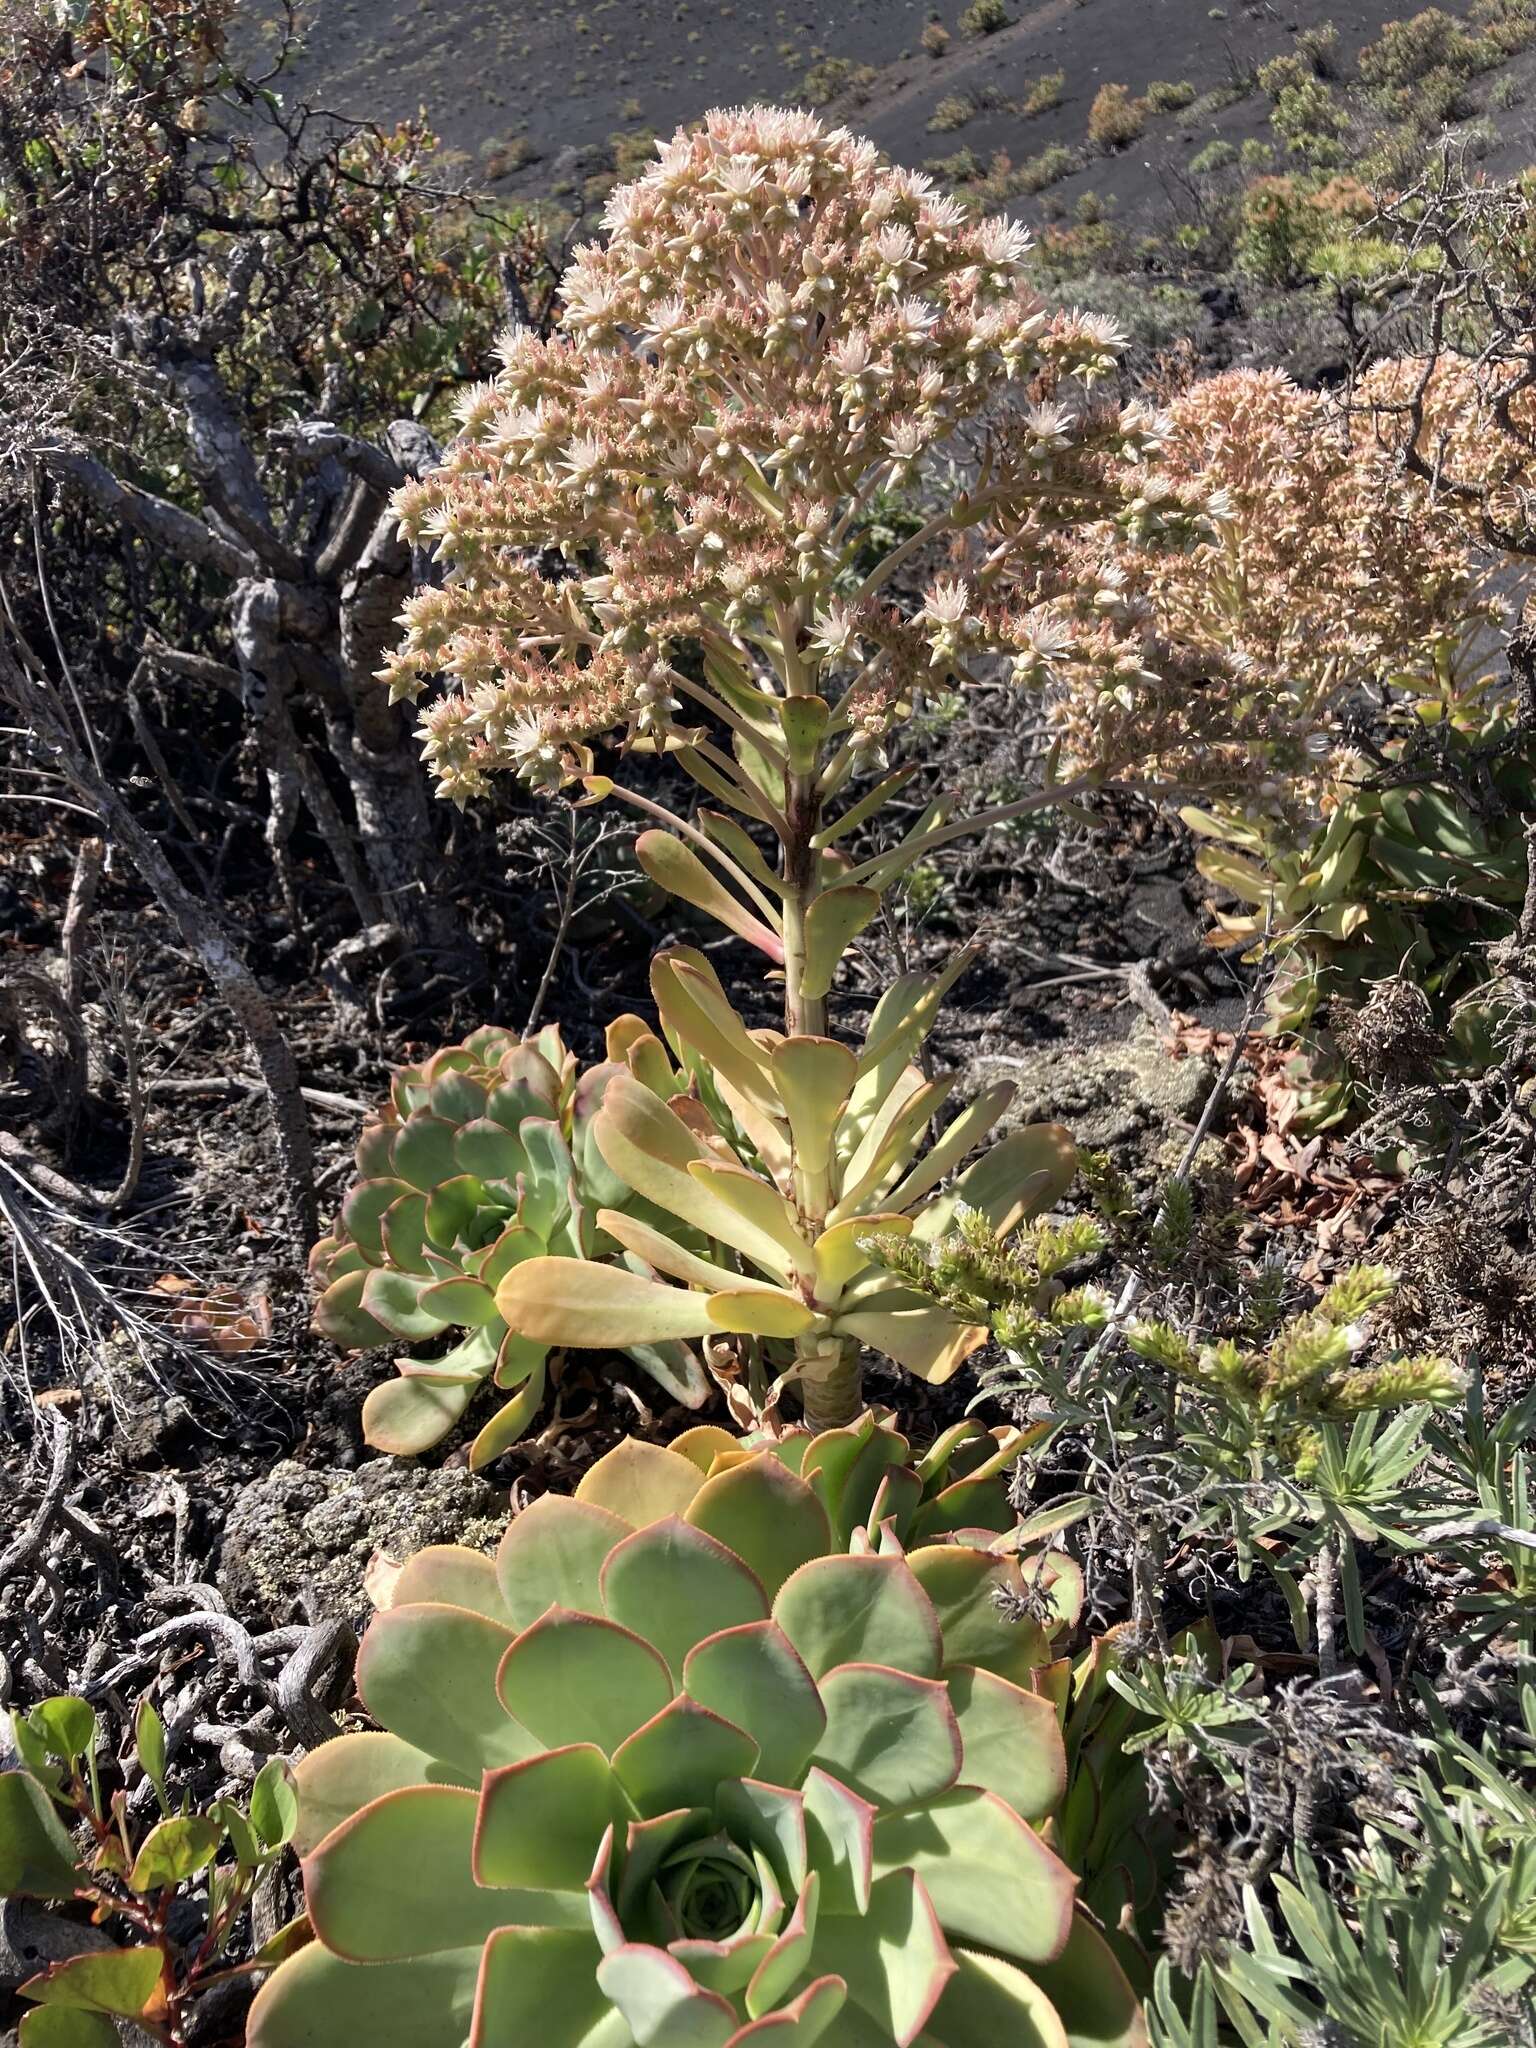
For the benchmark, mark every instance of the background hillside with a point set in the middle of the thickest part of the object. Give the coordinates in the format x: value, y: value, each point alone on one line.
x: 544, y: 96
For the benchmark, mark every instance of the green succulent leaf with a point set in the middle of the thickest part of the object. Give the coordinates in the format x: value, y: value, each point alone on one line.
x: 576, y: 1678
x: 37, y: 1857
x: 675, y: 1585
x: 318, y: 1997
x: 340, y: 1778
x: 542, y: 1823
x: 428, y: 1673
x: 865, y: 1610
x: 891, y: 1738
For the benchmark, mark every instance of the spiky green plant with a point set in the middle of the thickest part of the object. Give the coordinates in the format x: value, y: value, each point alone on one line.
x: 678, y: 1770
x: 482, y: 1158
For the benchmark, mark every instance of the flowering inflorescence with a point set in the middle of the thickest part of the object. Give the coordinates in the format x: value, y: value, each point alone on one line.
x: 778, y: 326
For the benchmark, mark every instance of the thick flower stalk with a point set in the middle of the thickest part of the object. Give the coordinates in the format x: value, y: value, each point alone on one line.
x: 704, y: 1757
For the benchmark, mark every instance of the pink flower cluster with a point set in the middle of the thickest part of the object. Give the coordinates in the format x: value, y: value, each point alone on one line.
x: 1333, y: 585
x: 778, y: 326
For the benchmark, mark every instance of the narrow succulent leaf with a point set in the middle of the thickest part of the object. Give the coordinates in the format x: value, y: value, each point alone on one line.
x: 518, y: 1359
x: 116, y: 1980
x: 768, y: 1517
x: 743, y: 849
x: 992, y: 1880
x: 968, y: 1590
x: 757, y: 1312
x: 340, y: 1315
x: 833, y: 922
x: 679, y: 870
x: 864, y: 1610
x: 754, y: 1676
x: 512, y: 1420
x: 814, y: 1078
x: 840, y: 1842
x: 552, y: 1556
x: 804, y: 722
x: 893, y: 1135
x: 698, y: 1016
x: 541, y: 1823
x: 1090, y: 1990
x: 989, y: 2000
x: 759, y: 1205
x: 316, y: 1997
x: 681, y: 1755
x: 588, y: 1307
x: 866, y: 807
x: 673, y: 1584
x: 925, y: 1341
x: 893, y: 1959
x: 890, y: 1737
x: 577, y: 1678
x: 37, y: 1857
x: 671, y: 1258
x: 650, y: 1147
x: 641, y: 1482
x: 540, y: 1984
x: 340, y: 1778
x: 996, y: 1183
x: 406, y: 1416
x: 952, y: 1145
x: 428, y: 1675
x: 839, y: 1257
x: 396, y: 1880
x: 1011, y: 1740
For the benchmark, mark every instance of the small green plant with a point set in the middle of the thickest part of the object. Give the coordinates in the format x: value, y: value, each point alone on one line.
x: 1169, y: 96
x: 66, y: 1834
x: 984, y: 18
x: 1115, y: 119
x: 1216, y: 156
x: 481, y: 1158
x: 1044, y: 94
x: 684, y: 1765
x: 935, y: 38
x: 952, y: 112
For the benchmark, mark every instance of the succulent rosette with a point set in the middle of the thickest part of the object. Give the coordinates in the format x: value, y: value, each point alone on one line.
x: 677, y: 1769
x: 481, y: 1158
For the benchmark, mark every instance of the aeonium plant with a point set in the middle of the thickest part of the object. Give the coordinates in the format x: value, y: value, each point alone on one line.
x: 703, y: 1757
x: 651, y: 529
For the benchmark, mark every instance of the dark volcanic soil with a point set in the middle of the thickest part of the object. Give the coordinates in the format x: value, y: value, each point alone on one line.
x: 559, y: 78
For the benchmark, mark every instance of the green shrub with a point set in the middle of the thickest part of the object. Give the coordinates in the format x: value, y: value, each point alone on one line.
x: 1115, y: 118
x: 1407, y: 51
x: 935, y: 38
x: 1165, y: 96
x: 1045, y: 93
x: 984, y: 18
x: 1282, y: 74
x: 1319, y: 47
x: 952, y: 112
x: 1039, y: 173
x: 1216, y: 156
